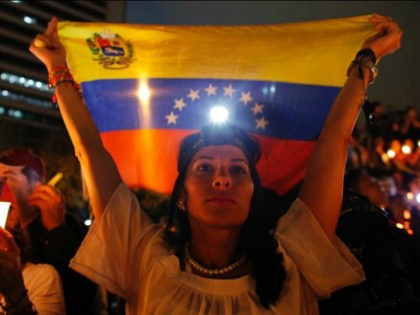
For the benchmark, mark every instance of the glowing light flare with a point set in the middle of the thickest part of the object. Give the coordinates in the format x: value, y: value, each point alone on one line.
x: 385, y: 158
x: 410, y: 196
x: 29, y: 20
x: 418, y: 198
x: 406, y: 149
x: 144, y: 94
x: 4, y: 211
x: 407, y: 214
x: 391, y: 153
x: 400, y: 226
x: 219, y: 114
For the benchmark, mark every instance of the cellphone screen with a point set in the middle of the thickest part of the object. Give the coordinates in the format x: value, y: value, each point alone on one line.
x: 4, y: 211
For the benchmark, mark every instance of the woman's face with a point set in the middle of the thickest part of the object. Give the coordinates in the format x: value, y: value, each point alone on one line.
x: 218, y: 187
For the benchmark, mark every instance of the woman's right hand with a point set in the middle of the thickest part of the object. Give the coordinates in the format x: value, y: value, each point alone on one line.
x: 48, y: 48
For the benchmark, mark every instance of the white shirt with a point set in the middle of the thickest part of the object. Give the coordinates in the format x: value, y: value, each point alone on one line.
x: 125, y: 252
x: 45, y: 289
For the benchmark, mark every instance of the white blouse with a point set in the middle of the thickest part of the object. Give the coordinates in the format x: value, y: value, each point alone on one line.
x: 125, y: 252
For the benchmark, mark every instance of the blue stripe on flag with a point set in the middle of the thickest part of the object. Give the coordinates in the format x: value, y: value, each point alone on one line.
x: 274, y: 109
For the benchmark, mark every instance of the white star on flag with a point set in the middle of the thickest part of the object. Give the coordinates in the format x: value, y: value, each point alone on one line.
x: 179, y: 104
x: 246, y: 97
x: 229, y: 90
x: 257, y: 108
x: 261, y: 123
x: 171, y: 118
x: 193, y: 95
x: 211, y: 90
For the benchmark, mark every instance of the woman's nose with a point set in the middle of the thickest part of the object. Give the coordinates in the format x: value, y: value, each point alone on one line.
x: 222, y: 181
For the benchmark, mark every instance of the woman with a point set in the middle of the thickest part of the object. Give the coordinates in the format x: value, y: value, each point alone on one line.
x: 207, y: 262
x: 26, y: 288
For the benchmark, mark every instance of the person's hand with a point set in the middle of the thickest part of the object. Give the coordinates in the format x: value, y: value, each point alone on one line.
x: 51, y: 205
x: 48, y: 48
x: 11, y: 280
x: 387, y: 39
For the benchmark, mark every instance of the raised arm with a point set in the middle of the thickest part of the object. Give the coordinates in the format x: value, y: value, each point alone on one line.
x: 323, y: 184
x: 99, y: 169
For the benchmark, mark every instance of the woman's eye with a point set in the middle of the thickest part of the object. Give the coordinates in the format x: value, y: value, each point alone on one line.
x: 238, y: 169
x: 204, y: 167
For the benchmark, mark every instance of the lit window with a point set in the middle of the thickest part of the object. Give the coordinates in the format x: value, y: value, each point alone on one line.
x: 29, y: 20
x: 26, y: 82
x: 26, y: 99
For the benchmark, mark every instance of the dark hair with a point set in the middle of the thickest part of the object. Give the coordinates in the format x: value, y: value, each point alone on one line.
x: 22, y: 241
x: 256, y: 239
x: 351, y: 178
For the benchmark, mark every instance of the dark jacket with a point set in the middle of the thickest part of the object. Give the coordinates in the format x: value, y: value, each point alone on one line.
x: 389, y: 286
x: 57, y: 247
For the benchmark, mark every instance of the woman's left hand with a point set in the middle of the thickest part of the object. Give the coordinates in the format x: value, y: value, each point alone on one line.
x: 387, y: 39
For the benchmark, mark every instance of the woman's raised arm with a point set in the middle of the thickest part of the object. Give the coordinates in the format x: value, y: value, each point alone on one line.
x: 323, y: 184
x: 100, y: 172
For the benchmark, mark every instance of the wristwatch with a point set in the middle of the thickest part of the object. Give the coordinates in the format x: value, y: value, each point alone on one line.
x: 365, y: 58
x: 373, y: 69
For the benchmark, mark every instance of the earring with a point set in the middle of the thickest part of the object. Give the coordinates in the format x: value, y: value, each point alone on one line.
x: 181, y: 205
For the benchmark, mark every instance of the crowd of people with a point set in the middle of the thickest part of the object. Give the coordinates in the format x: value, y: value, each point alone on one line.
x: 229, y: 246
x: 386, y: 145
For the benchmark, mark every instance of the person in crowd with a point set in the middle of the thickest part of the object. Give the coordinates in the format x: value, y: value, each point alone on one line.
x: 26, y: 288
x: 393, y: 208
x: 215, y: 256
x: 410, y: 128
x: 360, y: 181
x: 55, y: 234
x: 391, y: 284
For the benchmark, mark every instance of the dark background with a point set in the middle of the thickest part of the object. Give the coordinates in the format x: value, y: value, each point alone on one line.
x: 397, y: 84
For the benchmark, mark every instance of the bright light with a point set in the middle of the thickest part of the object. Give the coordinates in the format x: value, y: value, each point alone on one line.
x: 144, y: 92
x: 4, y: 210
x: 406, y: 149
x: 407, y: 214
x: 418, y: 198
x: 273, y: 89
x: 400, y: 226
x: 219, y: 114
x: 88, y: 222
x: 385, y: 157
x: 29, y: 20
x: 410, y: 196
x: 391, y: 153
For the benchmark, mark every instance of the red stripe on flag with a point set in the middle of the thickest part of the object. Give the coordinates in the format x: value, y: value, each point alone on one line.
x: 147, y: 158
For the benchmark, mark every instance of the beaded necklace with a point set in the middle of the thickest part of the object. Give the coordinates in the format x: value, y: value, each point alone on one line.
x: 212, y: 272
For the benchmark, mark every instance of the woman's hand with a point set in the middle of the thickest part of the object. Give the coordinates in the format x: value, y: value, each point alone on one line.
x: 11, y: 280
x: 387, y: 39
x: 48, y: 48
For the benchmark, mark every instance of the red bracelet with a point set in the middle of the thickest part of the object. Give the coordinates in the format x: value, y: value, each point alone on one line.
x: 59, y: 75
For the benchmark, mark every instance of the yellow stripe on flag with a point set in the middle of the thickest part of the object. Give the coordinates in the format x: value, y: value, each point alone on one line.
x: 316, y: 52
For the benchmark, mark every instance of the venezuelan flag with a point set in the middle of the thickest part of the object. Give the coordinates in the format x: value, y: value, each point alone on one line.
x: 148, y: 86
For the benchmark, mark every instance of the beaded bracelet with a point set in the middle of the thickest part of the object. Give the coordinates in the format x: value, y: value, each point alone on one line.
x: 59, y: 75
